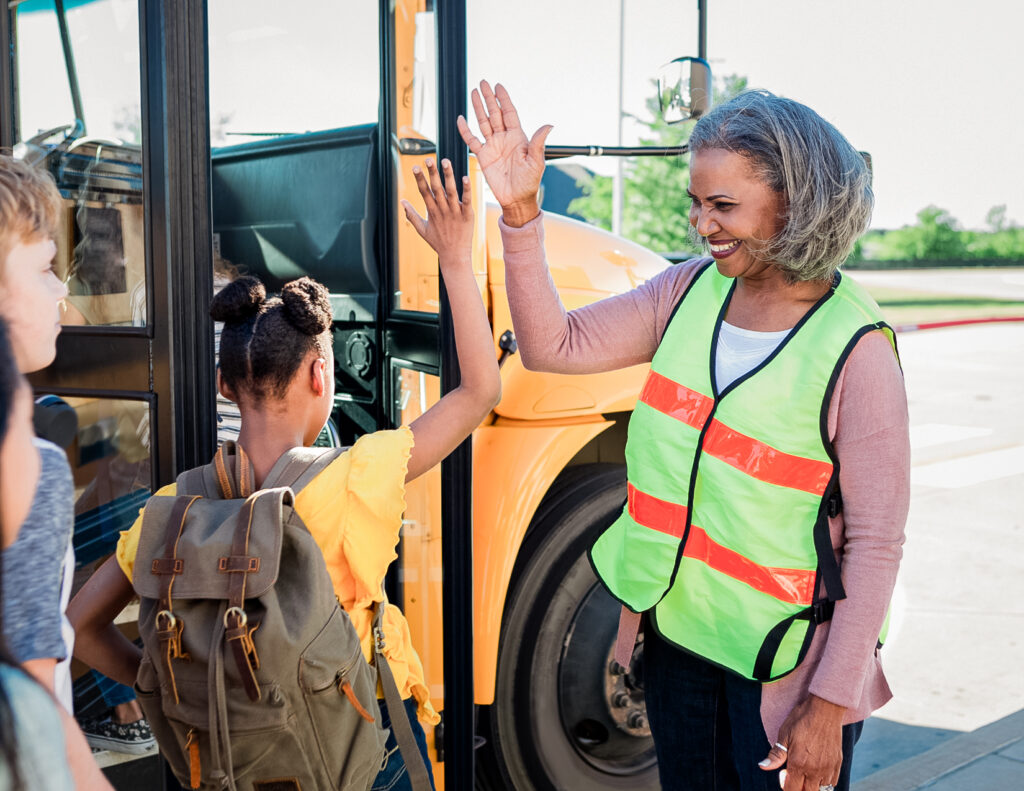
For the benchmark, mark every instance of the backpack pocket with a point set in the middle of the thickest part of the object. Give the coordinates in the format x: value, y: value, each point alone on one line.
x: 266, y: 738
x: 171, y: 743
x: 340, y: 691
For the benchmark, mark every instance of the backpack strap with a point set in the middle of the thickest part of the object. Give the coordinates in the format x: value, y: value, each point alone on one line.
x: 237, y: 630
x: 168, y: 626
x: 298, y: 466
x: 400, y: 725
x: 227, y: 477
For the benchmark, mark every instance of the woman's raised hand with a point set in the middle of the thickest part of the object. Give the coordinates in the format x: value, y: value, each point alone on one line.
x: 511, y: 164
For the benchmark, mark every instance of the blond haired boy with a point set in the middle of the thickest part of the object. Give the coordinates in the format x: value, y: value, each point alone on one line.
x: 37, y: 568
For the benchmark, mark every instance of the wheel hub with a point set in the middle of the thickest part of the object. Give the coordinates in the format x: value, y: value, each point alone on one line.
x: 601, y: 703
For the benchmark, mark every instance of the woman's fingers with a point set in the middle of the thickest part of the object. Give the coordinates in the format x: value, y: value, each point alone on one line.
x: 481, y: 114
x: 536, y: 145
x: 509, y: 116
x: 493, y: 110
x: 776, y: 757
x: 467, y: 136
x: 467, y: 197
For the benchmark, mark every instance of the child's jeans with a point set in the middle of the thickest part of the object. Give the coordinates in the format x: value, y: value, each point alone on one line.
x: 393, y: 775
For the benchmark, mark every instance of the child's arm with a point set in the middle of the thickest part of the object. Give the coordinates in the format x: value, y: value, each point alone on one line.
x: 84, y: 770
x: 449, y: 230
x: 98, y: 642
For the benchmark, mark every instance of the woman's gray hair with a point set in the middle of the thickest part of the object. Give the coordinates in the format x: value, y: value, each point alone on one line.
x: 825, y: 182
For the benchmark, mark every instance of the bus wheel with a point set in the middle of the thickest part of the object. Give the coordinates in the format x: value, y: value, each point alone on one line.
x: 565, y: 715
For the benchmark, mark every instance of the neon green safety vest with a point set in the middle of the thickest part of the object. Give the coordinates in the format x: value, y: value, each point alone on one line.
x: 725, y: 531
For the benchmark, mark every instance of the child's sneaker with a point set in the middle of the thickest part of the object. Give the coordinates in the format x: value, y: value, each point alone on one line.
x: 130, y: 737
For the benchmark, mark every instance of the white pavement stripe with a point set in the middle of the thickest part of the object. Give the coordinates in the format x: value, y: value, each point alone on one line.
x: 928, y: 435
x: 970, y: 470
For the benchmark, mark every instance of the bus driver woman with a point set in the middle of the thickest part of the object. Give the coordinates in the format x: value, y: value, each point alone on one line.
x: 767, y: 458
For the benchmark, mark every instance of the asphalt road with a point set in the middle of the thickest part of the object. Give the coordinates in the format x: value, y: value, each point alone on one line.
x: 955, y: 659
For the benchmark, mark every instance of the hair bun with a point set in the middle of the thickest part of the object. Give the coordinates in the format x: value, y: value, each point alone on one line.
x: 238, y: 300
x: 307, y: 306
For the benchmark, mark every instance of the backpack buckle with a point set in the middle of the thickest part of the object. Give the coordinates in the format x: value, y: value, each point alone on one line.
x: 239, y: 613
x: 378, y: 639
x: 822, y: 611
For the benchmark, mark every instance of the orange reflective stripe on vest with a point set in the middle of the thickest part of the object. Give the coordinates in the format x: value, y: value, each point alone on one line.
x: 764, y: 462
x: 676, y: 400
x: 795, y: 586
x: 746, y: 454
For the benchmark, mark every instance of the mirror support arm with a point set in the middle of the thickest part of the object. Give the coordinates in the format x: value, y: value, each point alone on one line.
x: 69, y: 62
x: 561, y: 152
x: 702, y: 36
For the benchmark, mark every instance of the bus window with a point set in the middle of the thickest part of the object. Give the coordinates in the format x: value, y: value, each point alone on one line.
x: 79, y: 117
x: 111, y: 465
x: 280, y: 70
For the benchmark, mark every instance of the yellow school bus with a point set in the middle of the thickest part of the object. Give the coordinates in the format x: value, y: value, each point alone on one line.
x: 280, y: 138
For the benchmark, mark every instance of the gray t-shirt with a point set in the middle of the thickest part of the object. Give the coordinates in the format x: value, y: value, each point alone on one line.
x: 36, y: 577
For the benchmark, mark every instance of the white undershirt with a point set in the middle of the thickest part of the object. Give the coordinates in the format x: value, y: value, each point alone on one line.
x: 740, y: 351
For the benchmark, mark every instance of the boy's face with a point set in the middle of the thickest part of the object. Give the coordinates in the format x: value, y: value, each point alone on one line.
x: 30, y: 297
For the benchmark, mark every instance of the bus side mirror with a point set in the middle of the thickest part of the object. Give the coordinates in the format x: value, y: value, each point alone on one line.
x: 684, y: 89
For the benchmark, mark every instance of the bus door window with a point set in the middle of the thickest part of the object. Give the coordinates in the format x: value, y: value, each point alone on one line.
x: 294, y: 105
x: 420, y: 557
x: 79, y: 116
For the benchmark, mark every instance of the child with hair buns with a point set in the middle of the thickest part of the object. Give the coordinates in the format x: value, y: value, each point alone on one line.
x: 277, y: 364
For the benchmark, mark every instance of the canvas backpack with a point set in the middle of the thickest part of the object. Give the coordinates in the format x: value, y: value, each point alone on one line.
x: 253, y: 677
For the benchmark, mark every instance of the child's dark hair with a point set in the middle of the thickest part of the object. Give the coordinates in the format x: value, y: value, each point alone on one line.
x: 265, y: 340
x: 9, y: 379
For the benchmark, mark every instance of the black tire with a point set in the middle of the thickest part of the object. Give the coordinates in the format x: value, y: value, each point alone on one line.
x: 564, y: 716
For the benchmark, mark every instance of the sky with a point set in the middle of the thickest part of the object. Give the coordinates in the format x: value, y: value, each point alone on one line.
x: 931, y: 88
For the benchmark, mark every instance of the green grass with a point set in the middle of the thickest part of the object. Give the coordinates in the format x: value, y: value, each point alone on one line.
x: 901, y: 306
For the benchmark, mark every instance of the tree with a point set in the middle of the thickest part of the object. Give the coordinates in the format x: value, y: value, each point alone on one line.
x: 937, y: 237
x: 655, y: 205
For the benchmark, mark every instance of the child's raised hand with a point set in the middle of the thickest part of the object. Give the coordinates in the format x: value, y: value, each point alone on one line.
x: 448, y: 227
x: 449, y: 230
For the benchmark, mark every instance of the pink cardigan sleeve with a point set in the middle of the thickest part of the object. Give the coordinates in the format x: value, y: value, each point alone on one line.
x: 616, y: 332
x: 870, y: 428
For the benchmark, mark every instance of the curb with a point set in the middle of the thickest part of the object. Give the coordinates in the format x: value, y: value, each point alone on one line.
x: 934, y: 325
x: 924, y: 769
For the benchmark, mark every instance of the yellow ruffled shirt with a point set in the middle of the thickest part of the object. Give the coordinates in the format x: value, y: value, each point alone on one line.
x: 354, y: 511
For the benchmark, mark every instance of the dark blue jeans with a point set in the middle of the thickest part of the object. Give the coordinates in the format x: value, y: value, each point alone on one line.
x: 393, y: 775
x: 706, y: 724
x: 113, y: 694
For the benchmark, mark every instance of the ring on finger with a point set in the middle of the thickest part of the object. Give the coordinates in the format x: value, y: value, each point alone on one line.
x: 827, y: 787
x: 782, y: 747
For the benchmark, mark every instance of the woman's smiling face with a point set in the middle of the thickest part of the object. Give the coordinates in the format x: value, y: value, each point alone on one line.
x: 734, y: 210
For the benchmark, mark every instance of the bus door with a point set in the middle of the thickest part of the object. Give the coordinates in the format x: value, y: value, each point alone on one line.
x: 130, y: 394
x: 318, y: 117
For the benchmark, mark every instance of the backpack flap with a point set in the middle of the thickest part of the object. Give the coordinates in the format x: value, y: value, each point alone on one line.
x: 195, y: 546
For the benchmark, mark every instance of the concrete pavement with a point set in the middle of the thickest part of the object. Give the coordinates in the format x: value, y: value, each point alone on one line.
x: 955, y: 659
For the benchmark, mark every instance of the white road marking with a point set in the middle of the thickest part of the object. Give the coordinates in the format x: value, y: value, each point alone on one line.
x: 928, y: 435
x: 970, y: 470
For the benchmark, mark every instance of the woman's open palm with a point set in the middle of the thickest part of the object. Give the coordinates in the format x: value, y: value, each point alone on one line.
x: 511, y: 164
